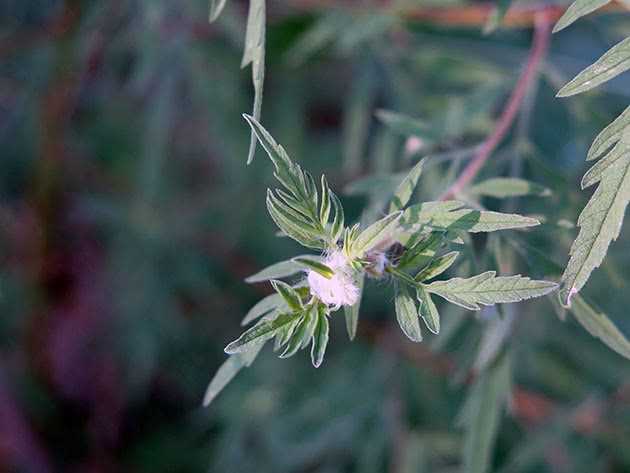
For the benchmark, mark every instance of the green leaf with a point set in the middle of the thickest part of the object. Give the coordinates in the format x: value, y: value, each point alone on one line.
x: 407, y: 314
x: 377, y: 233
x: 428, y: 311
x: 260, y: 332
x: 420, y: 250
x: 228, y: 370
x: 302, y: 333
x: 488, y: 289
x: 264, y: 306
x: 351, y: 313
x: 316, y: 266
x: 290, y: 295
x: 576, y: 10
x: 374, y: 185
x: 444, y: 216
x: 496, y: 17
x: 406, y: 187
x: 282, y: 269
x: 437, y: 266
x: 488, y: 398
x: 600, y: 326
x: 609, y: 136
x: 216, y: 7
x: 320, y: 339
x: 297, y: 212
x: 615, y: 61
x: 254, y: 53
x: 600, y: 223
x: 502, y: 187
x: 403, y: 124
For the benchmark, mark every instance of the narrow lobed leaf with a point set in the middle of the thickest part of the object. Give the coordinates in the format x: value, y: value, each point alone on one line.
x: 576, y: 10
x: 502, y: 187
x: 437, y: 267
x: 380, y: 231
x: 428, y: 311
x: 320, y: 338
x: 407, y: 314
x: 260, y: 332
x: 615, y: 61
x: 406, y: 188
x: 290, y: 295
x: 488, y: 289
x: 315, y: 265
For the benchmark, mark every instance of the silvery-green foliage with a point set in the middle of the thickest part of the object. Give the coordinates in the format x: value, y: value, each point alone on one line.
x: 601, y: 219
x: 408, y: 244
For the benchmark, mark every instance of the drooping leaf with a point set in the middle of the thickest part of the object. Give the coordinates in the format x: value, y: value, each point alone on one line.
x: 489, y: 289
x: 406, y: 187
x: 351, y: 313
x: 216, y: 7
x: 228, y: 370
x: 263, y: 330
x: 407, y: 314
x: 254, y: 53
x: 447, y: 215
x: 576, y: 10
x: 615, y: 61
x: 484, y: 407
x: 320, y: 339
x: 600, y: 223
x: 600, y: 326
x: 290, y: 295
x: 428, y: 311
x: 437, y: 266
x: 502, y: 187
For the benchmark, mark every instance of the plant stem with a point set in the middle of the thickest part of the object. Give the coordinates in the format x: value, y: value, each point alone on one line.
x: 542, y: 32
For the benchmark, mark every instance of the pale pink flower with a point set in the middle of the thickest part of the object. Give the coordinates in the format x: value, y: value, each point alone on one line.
x: 341, y: 289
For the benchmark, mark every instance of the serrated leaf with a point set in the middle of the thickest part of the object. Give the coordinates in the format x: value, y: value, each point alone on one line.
x: 407, y: 314
x: 576, y: 10
x: 428, y: 311
x: 600, y: 326
x: 437, y: 266
x: 488, y: 397
x: 444, y: 216
x: 264, y: 306
x: 489, y: 289
x: 351, y: 313
x: 216, y: 7
x: 290, y: 295
x: 320, y: 339
x: 600, y: 223
x: 406, y: 187
x: 228, y: 370
x: 595, y: 174
x: 316, y: 266
x: 502, y: 187
x: 262, y: 331
x: 281, y: 269
x: 254, y: 53
x: 375, y: 234
x: 615, y: 61
x: 297, y: 212
x: 606, y: 139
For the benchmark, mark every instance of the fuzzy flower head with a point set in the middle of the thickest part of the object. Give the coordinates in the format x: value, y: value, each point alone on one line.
x: 342, y: 288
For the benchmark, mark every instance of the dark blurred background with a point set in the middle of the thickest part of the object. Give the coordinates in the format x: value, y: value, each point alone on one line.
x: 128, y: 221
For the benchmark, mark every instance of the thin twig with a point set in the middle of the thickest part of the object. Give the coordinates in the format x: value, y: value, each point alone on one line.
x: 540, y: 45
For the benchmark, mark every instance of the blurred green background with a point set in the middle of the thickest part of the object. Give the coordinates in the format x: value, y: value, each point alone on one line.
x: 129, y: 221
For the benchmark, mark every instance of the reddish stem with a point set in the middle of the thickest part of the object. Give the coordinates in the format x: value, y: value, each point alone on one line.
x: 540, y: 45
